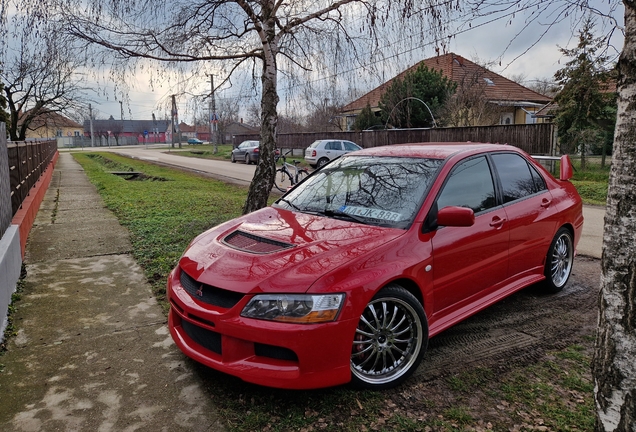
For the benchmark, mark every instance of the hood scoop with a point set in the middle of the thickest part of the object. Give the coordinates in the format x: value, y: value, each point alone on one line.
x: 254, y: 244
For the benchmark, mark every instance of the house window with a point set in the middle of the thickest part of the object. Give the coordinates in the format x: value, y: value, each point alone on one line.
x: 530, y: 118
x: 58, y: 133
x: 507, y: 119
x: 489, y: 81
x: 77, y: 133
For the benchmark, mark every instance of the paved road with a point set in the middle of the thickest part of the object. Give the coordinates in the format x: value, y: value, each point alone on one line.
x: 590, y: 244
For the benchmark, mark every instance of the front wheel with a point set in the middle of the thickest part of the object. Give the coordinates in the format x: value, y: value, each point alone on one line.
x: 279, y: 179
x: 558, y: 263
x: 390, y: 340
x: 232, y: 158
x: 247, y: 159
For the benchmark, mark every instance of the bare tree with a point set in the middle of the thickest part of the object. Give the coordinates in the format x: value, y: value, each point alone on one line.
x: 544, y: 86
x: 227, y: 110
x: 469, y: 105
x: 39, y: 77
x: 265, y: 34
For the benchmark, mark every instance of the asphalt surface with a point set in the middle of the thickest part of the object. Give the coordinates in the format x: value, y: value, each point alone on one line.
x: 92, y: 351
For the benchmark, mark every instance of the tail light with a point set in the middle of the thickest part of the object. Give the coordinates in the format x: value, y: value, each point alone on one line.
x: 313, y: 153
x: 256, y: 150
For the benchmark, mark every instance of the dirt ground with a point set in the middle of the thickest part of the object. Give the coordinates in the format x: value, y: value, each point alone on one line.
x: 519, y: 331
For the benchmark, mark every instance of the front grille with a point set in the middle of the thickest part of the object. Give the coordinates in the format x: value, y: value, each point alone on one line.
x: 206, y: 338
x: 274, y: 352
x: 208, y: 293
x: 255, y: 244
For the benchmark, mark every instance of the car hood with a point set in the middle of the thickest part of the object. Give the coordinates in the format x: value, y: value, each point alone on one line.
x: 276, y: 250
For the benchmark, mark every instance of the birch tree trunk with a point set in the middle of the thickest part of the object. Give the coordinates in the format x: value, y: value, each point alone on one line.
x: 263, y: 179
x: 614, y: 366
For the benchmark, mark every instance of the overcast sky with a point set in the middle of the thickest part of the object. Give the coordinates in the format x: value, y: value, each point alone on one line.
x: 515, y: 48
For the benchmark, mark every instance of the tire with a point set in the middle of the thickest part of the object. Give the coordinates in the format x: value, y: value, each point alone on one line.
x: 390, y: 340
x: 322, y: 162
x: 247, y: 159
x: 302, y: 173
x: 232, y: 158
x: 558, y: 262
x: 277, y: 180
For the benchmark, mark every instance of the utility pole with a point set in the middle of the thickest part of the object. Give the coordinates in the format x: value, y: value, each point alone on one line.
x: 121, y: 109
x: 213, y: 117
x: 175, y: 121
x: 90, y: 117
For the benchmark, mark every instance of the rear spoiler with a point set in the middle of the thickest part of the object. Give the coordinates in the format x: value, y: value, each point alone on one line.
x: 566, y: 165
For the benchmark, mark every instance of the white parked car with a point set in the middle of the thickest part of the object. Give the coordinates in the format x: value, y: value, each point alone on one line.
x: 322, y: 151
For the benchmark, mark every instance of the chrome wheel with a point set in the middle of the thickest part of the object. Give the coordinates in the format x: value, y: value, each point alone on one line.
x: 390, y: 339
x: 559, y: 261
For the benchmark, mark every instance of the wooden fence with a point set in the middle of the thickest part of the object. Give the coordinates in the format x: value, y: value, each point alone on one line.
x: 5, y: 189
x: 27, y: 161
x: 538, y: 139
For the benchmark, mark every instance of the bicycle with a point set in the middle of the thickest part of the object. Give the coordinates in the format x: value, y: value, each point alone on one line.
x: 285, y: 173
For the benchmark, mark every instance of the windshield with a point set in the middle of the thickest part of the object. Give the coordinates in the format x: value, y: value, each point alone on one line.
x: 384, y: 191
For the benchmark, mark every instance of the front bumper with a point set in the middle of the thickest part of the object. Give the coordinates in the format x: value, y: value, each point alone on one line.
x: 272, y: 354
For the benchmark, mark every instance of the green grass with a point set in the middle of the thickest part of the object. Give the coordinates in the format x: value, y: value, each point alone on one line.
x: 163, y: 215
x: 165, y: 212
x: 592, y: 182
x: 205, y: 151
x: 223, y: 153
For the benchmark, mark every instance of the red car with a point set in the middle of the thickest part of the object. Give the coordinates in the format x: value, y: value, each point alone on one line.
x: 347, y: 276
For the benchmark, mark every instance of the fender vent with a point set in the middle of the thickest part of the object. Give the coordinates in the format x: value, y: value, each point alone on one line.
x: 254, y: 244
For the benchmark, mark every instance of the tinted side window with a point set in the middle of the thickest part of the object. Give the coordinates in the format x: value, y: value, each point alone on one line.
x: 539, y: 182
x: 516, y: 179
x: 469, y: 185
x: 333, y: 145
x: 349, y: 146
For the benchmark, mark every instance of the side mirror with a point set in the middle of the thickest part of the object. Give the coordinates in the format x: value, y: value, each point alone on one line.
x: 456, y: 216
x: 566, y: 168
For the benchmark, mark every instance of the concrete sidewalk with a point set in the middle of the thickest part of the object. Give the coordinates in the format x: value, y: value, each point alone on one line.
x: 93, y: 351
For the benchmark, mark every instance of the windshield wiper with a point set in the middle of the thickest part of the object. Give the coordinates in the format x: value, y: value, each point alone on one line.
x: 341, y: 214
x: 286, y: 201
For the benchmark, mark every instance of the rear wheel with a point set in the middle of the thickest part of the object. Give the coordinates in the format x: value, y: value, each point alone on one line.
x: 558, y: 263
x: 390, y: 340
x: 322, y: 162
x: 302, y: 173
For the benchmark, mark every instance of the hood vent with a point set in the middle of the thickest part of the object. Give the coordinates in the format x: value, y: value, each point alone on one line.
x: 254, y: 244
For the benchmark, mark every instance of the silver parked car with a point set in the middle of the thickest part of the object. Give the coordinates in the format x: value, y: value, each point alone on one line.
x: 322, y: 151
x: 246, y: 151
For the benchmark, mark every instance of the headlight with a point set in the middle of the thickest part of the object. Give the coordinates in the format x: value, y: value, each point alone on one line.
x: 306, y: 309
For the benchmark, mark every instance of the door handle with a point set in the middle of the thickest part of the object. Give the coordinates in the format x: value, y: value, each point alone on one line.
x: 545, y: 203
x: 497, y: 222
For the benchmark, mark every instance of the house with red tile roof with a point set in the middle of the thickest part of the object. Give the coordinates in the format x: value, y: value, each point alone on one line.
x: 50, y: 124
x: 507, y: 102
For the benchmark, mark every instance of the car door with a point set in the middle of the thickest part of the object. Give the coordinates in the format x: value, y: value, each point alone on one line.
x: 469, y: 261
x: 349, y: 146
x: 333, y: 149
x: 529, y: 210
x: 240, y: 151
